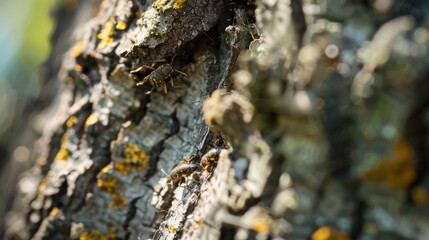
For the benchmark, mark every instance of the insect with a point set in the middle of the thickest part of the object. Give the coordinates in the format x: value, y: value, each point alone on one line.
x: 158, y: 76
x: 181, y: 171
x: 210, y: 158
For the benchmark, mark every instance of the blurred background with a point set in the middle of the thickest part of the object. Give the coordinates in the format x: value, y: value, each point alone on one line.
x: 25, y: 29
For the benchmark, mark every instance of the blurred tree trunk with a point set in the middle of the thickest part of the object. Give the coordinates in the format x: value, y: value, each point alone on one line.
x: 316, y: 112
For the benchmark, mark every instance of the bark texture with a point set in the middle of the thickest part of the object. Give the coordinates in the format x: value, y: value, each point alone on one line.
x: 287, y: 120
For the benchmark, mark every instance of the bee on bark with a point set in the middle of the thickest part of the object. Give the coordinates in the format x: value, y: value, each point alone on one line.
x: 181, y: 171
x: 210, y: 159
x: 157, y: 77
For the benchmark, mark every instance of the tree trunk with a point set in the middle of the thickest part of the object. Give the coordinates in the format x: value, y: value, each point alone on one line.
x: 286, y: 120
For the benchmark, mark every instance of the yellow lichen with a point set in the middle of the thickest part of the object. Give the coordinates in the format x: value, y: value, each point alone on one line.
x: 71, y: 121
x: 172, y: 228
x: 121, y: 25
x: 106, y: 34
x: 135, y: 158
x: 159, y: 3
x: 261, y: 226
x: 199, y: 222
x: 106, y: 169
x: 53, y: 212
x: 42, y: 185
x: 91, y: 120
x: 92, y: 235
x: 123, y: 167
x: 97, y: 235
x: 118, y: 200
x: 397, y: 170
x: 63, y: 153
x: 328, y: 233
x: 108, y: 184
x: 111, y: 235
x: 77, y: 49
x: 420, y: 196
x: 166, y: 4
x: 179, y: 4
x: 78, y: 68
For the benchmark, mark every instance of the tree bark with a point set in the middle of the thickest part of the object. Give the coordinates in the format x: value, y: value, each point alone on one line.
x: 287, y: 120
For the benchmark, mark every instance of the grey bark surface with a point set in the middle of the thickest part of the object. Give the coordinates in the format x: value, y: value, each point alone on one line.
x: 315, y: 111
